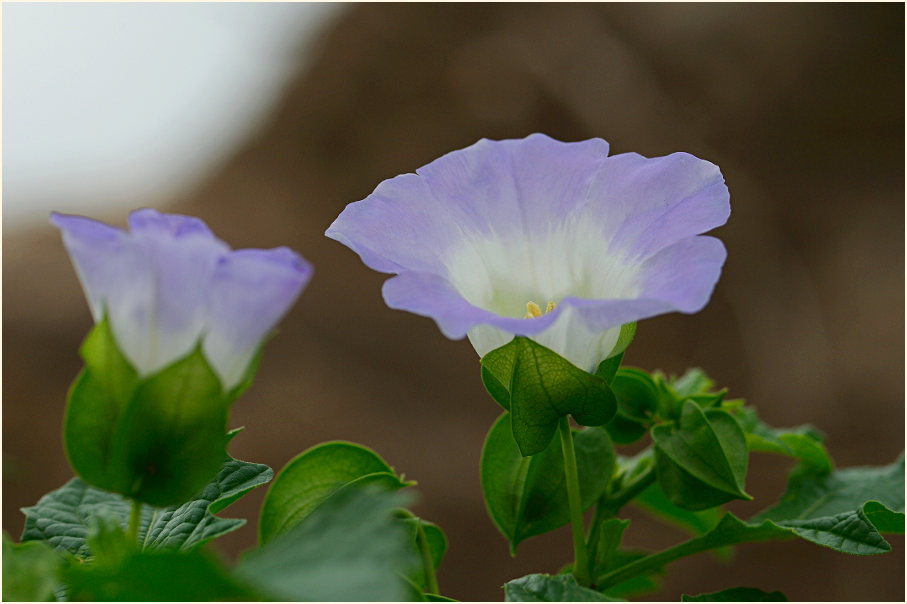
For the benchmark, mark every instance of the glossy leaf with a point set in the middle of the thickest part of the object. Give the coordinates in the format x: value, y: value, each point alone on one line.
x: 701, y: 461
x: 548, y: 588
x: 542, y: 388
x: 31, y: 571
x: 351, y: 548
x: 61, y: 517
x: 526, y: 496
x: 313, y: 476
x: 737, y: 594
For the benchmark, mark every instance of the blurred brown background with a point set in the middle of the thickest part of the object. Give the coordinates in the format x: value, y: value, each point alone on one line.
x: 802, y: 107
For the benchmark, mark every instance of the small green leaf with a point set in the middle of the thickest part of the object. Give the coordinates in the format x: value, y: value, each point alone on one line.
x: 314, y: 475
x: 547, y: 588
x: 701, y: 462
x: 737, y: 594
x: 693, y: 382
x: 607, y: 369
x: 437, y: 545
x: 803, y: 442
x: 640, y: 585
x: 351, y: 548
x: 61, y: 517
x: 31, y: 571
x: 605, y: 543
x: 543, y: 387
x: 637, y: 400
x: 526, y: 496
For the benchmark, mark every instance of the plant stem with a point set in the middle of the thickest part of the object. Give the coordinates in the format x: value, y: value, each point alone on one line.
x: 134, y: 517
x: 580, y: 554
x: 428, y: 564
x: 609, y: 506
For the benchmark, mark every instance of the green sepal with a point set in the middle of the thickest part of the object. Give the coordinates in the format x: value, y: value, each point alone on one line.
x: 526, y: 496
x: 737, y: 594
x: 701, y: 461
x: 31, y: 571
x: 543, y: 387
x: 314, y: 475
x: 156, y: 439
x: 548, y: 588
x: 61, y: 517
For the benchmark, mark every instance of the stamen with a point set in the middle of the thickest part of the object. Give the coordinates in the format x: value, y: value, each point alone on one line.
x: 534, y: 311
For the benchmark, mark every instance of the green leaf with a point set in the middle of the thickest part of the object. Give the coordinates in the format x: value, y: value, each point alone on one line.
x: 547, y: 588
x: 31, y: 571
x: 701, y: 462
x: 437, y: 545
x: 61, y: 517
x: 838, y: 510
x: 737, y: 594
x: 637, y: 400
x: 607, y: 369
x: 605, y: 543
x: 870, y: 495
x: 803, y: 442
x: 635, y: 587
x: 314, y: 475
x: 543, y: 387
x: 693, y: 382
x: 351, y: 548
x: 526, y: 496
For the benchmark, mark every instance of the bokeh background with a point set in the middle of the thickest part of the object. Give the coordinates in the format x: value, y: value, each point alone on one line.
x: 267, y: 121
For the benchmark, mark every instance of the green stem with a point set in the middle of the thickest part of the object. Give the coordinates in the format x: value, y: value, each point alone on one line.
x: 687, y: 548
x: 428, y: 564
x: 608, y: 507
x: 134, y: 517
x: 580, y: 554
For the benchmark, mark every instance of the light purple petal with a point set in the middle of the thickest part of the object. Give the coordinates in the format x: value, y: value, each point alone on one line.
x: 250, y: 292
x: 412, y: 221
x: 183, y: 254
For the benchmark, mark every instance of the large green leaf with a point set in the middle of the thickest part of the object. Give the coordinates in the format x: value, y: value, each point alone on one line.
x: 547, y: 588
x: 351, y: 548
x: 737, y: 594
x: 62, y: 517
x: 313, y: 476
x: 526, y: 496
x: 543, y: 387
x: 31, y: 571
x: 838, y: 510
x: 701, y: 461
x: 874, y: 494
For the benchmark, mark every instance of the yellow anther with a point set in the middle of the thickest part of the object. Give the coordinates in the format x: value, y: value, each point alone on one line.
x: 534, y: 311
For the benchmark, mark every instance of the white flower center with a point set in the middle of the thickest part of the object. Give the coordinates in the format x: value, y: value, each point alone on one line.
x: 534, y: 311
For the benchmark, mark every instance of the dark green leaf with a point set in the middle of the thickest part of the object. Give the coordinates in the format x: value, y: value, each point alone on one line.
x: 637, y: 586
x: 737, y: 594
x: 31, y: 571
x: 315, y: 474
x: 547, y: 588
x: 544, y: 387
x: 526, y: 496
x: 701, y: 462
x: 607, y: 369
x: 61, y: 517
x: 351, y: 548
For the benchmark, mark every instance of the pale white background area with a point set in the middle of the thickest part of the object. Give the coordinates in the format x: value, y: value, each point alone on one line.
x: 131, y: 103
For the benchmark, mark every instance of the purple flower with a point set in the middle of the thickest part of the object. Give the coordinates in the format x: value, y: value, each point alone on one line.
x: 536, y: 237
x: 169, y: 282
